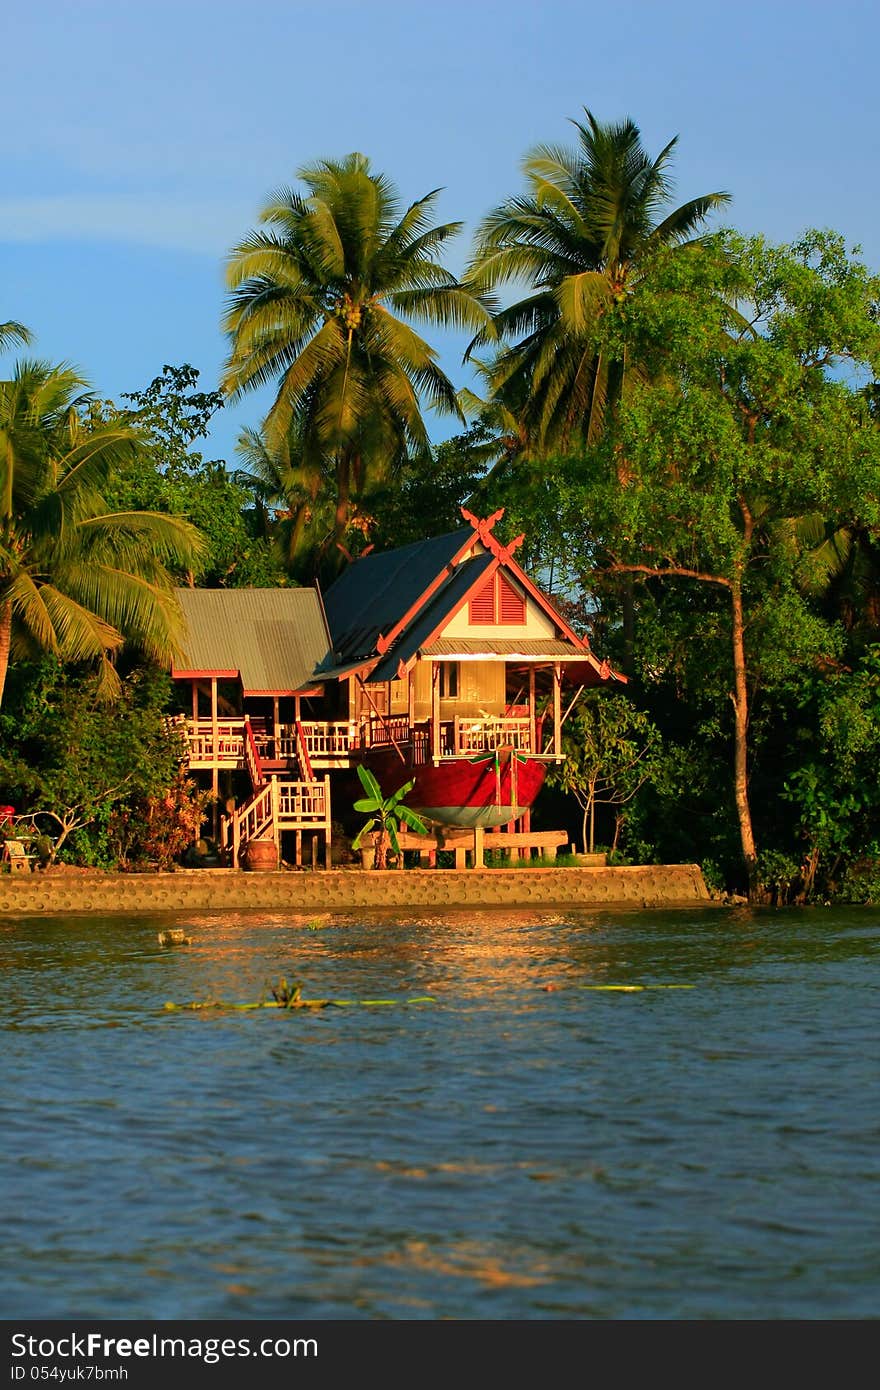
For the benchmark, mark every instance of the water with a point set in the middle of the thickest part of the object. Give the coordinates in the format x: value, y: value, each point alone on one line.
x: 524, y: 1147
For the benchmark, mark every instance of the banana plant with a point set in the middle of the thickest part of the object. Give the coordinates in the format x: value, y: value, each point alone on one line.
x: 386, y: 814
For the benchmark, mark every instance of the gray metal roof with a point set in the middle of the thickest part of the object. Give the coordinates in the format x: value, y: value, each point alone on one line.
x: 375, y: 592
x: 274, y: 638
x: 436, y: 612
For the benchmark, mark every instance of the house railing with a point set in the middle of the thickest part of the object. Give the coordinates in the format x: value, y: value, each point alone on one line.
x: 275, y: 806
x: 319, y: 744
x: 303, y: 803
x: 387, y: 729
x: 485, y: 734
x: 215, y: 745
x: 325, y: 741
x: 252, y: 757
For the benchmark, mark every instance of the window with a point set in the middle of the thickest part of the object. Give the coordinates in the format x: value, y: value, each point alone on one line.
x: 449, y: 680
x: 498, y: 603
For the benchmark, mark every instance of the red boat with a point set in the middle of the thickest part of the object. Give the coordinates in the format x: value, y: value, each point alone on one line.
x: 489, y: 789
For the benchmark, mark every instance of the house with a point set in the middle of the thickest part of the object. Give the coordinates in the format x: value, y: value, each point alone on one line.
x: 439, y: 663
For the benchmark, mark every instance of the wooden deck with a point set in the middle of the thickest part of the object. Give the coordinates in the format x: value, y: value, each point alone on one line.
x: 470, y: 846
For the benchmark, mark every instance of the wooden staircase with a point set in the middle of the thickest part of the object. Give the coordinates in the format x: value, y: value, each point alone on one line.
x: 278, y: 803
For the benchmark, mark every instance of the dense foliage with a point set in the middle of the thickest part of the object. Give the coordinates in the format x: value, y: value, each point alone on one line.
x: 685, y: 425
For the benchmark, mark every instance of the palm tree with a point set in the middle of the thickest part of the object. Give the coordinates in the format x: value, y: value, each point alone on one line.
x: 320, y: 299
x: 76, y: 579
x: 12, y: 332
x: 289, y: 487
x: 581, y: 237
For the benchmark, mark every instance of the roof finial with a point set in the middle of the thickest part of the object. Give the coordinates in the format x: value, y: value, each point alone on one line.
x: 483, y: 525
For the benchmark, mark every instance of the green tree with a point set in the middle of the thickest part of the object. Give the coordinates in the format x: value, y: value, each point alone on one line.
x: 832, y: 783
x: 120, y: 758
x: 169, y: 474
x: 612, y: 750
x: 581, y: 238
x: 290, y: 491
x: 78, y: 579
x: 320, y: 302
x: 762, y: 426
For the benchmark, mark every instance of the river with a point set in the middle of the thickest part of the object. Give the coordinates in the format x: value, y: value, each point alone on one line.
x: 589, y: 1115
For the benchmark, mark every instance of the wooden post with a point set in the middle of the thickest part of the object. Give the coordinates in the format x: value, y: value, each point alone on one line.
x: 328, y: 825
x: 557, y: 708
x: 195, y: 701
x: 533, y: 732
x: 276, y: 815
x: 435, y: 711
x: 215, y: 780
x: 478, y: 847
x: 276, y: 751
x: 236, y: 839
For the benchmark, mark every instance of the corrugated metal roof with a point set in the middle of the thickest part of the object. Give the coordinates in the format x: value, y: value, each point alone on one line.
x: 505, y: 646
x: 375, y: 592
x: 581, y: 668
x: 438, y: 609
x: 273, y: 637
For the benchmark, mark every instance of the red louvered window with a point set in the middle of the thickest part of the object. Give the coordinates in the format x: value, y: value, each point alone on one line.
x: 511, y: 604
x: 482, y: 605
x: 498, y: 602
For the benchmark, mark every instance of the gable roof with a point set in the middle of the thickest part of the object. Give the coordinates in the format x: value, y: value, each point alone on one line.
x: 375, y: 592
x: 272, y: 638
x: 385, y: 609
x: 435, y: 614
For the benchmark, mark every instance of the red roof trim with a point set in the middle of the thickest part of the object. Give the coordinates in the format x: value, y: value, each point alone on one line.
x: 257, y: 694
x: 179, y: 674
x: 504, y: 553
x: 385, y: 639
x: 480, y: 579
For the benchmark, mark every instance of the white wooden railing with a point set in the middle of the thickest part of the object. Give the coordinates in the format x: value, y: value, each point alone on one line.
x: 279, y: 805
x: 326, y: 741
x: 215, y: 745
x: 484, y: 734
x: 303, y: 804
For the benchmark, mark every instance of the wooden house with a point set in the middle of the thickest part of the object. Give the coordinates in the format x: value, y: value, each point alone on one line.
x: 440, y: 663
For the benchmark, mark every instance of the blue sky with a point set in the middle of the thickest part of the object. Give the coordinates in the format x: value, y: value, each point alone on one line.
x: 139, y: 141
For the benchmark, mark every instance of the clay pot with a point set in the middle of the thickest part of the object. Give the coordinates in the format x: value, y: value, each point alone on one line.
x: 261, y: 856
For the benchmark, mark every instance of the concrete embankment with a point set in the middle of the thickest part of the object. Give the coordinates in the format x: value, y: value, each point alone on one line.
x: 652, y: 885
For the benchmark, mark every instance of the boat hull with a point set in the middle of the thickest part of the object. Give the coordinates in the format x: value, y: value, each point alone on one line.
x: 469, y: 793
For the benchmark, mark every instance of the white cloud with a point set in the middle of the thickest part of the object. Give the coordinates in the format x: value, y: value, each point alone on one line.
x: 205, y: 226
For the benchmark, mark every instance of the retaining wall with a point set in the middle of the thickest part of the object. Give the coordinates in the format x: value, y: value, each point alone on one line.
x: 653, y: 885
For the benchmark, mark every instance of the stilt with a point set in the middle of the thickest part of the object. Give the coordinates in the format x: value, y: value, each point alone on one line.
x: 479, y: 834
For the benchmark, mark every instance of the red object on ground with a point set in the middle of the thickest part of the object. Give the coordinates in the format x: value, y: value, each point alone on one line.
x: 7, y: 815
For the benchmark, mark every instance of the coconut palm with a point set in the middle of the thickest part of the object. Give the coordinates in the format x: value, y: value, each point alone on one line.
x: 581, y: 238
x: 13, y: 333
x: 289, y: 488
x: 320, y: 298
x: 76, y: 579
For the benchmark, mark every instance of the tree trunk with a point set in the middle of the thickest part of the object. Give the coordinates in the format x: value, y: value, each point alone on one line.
x: 628, y: 602
x: 380, y: 840
x: 5, y: 640
x: 740, y: 745
x: 343, y: 494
